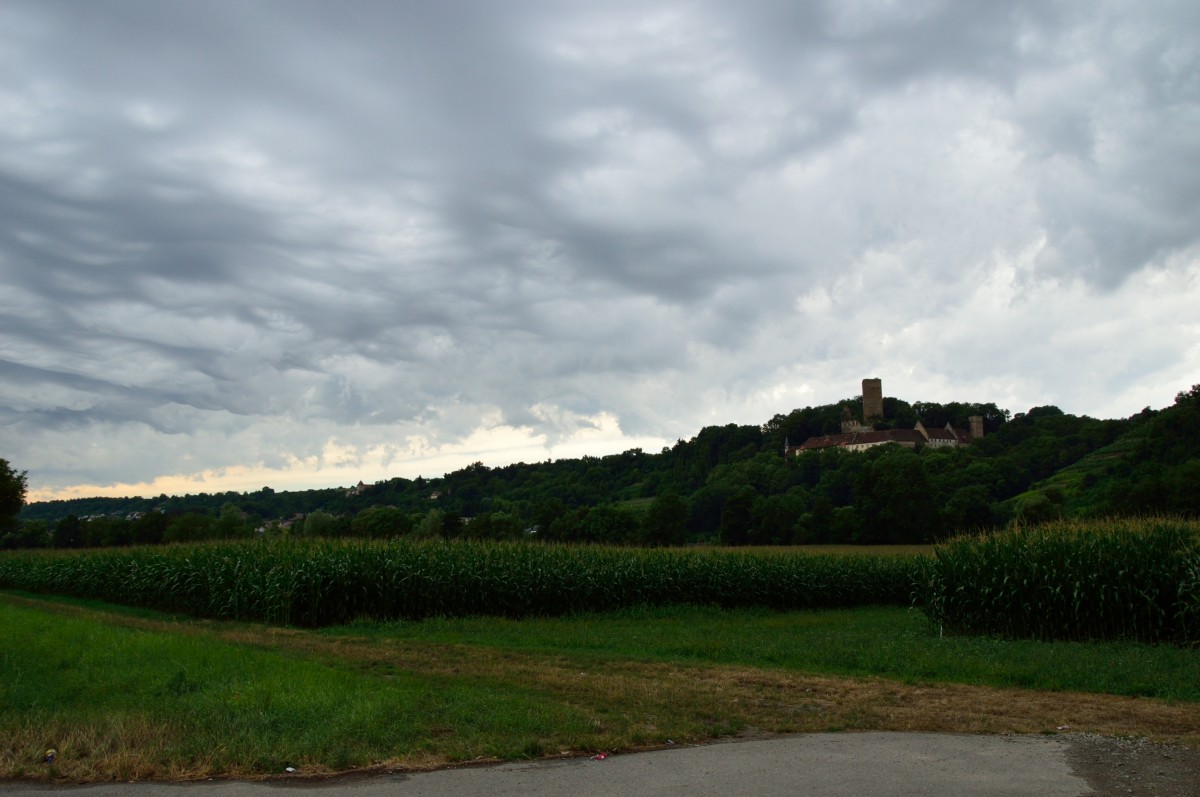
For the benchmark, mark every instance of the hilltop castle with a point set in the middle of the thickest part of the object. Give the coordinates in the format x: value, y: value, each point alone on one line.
x: 859, y: 435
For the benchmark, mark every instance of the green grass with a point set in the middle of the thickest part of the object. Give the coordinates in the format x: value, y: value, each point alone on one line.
x: 127, y: 694
x: 881, y: 641
x: 212, y: 706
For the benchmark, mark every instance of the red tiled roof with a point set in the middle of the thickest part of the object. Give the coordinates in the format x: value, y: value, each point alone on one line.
x: 863, y: 438
x: 870, y: 438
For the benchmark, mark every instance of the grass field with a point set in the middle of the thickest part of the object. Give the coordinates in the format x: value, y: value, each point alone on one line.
x: 132, y: 694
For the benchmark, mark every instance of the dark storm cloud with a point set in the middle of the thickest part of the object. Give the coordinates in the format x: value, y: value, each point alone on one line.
x: 236, y: 232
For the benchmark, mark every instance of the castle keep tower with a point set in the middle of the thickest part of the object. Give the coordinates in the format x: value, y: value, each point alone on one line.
x: 976, y: 426
x: 872, y: 392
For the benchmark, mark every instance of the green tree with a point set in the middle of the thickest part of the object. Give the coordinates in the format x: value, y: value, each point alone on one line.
x: 30, y: 534
x: 969, y: 509
x: 1037, y: 507
x: 1185, y: 489
x: 609, y: 524
x: 68, y: 533
x: 777, y: 517
x: 12, y: 496
x: 189, y: 527
x: 567, y: 527
x: 665, y: 522
x: 737, y: 517
x: 547, y: 510
x: 431, y: 526
x: 107, y: 532
x: 150, y: 528
x: 705, y: 509
x: 380, y: 522
x: 495, y: 526
x: 231, y: 523
x: 895, y: 499
x: 325, y: 524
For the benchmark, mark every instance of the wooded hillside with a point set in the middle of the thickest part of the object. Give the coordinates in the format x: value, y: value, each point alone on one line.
x: 729, y: 484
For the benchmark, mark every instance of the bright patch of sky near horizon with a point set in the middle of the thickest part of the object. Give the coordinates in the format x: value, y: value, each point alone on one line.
x: 301, y: 244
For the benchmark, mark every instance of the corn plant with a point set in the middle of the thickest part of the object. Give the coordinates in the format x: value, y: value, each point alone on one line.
x: 321, y: 582
x: 1075, y: 580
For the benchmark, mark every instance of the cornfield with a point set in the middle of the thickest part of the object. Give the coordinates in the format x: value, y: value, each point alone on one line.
x: 1117, y: 579
x: 324, y: 582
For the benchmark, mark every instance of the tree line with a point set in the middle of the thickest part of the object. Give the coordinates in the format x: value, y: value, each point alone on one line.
x: 729, y: 484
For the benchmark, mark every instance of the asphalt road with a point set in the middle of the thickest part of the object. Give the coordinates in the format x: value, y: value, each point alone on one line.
x: 859, y: 764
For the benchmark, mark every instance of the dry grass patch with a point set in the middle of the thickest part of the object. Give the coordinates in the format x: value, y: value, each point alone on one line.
x: 125, y: 747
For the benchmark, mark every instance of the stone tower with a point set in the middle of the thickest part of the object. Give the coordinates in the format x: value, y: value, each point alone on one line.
x: 976, y: 426
x: 872, y: 400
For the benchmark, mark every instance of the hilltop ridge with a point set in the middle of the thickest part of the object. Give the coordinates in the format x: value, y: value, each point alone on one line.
x: 733, y: 484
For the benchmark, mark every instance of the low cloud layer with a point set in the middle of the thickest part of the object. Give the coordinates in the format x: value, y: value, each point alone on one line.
x: 303, y: 243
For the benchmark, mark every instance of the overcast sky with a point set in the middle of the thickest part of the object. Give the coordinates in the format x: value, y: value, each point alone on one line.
x: 301, y: 244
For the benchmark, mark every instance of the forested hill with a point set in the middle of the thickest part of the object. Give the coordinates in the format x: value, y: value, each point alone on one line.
x: 733, y: 484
